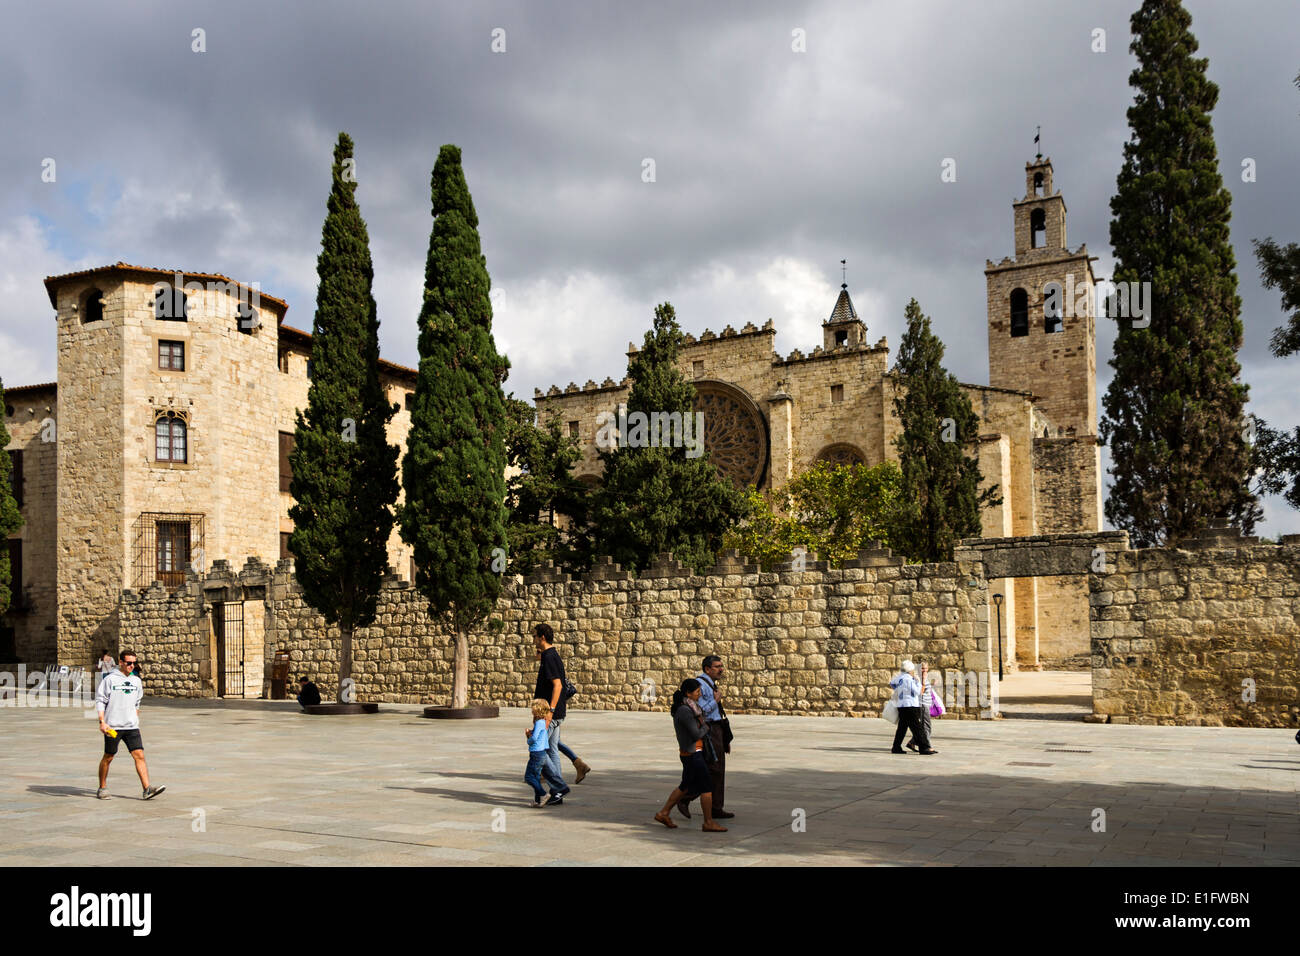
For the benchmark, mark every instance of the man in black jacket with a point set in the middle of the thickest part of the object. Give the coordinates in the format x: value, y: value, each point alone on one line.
x: 550, y: 688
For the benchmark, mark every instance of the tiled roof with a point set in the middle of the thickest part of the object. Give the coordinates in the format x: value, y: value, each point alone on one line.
x: 31, y: 388
x: 843, y: 311
x: 304, y: 338
x: 52, y: 281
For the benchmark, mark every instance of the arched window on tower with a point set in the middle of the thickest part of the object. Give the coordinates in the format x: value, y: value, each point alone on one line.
x: 1052, y: 313
x: 170, y: 437
x: 1037, y: 224
x: 1019, y: 313
x: 1038, y: 184
x: 92, y: 306
x: 169, y: 303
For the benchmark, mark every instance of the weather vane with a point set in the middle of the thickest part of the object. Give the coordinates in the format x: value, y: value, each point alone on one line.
x: 844, y: 274
x: 1038, y: 135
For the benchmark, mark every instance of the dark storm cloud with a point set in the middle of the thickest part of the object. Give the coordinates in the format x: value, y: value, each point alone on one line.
x: 771, y: 165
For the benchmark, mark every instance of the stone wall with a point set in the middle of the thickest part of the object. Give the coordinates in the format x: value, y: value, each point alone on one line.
x: 812, y: 642
x: 1207, y: 633
x: 34, y: 615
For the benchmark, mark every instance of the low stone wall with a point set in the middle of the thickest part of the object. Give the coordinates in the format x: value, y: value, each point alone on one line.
x: 815, y: 641
x: 1207, y: 633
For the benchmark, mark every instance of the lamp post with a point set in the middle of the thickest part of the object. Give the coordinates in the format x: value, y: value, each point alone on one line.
x: 997, y: 601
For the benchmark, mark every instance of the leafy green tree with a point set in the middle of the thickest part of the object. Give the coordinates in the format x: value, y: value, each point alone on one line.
x: 940, y: 496
x: 344, y: 480
x: 541, y: 491
x: 1278, y: 453
x: 1174, y: 408
x: 831, y: 510
x: 454, y: 470
x: 660, y: 499
x: 11, y: 519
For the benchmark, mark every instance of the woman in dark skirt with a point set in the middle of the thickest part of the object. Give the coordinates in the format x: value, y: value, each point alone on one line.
x: 692, y: 735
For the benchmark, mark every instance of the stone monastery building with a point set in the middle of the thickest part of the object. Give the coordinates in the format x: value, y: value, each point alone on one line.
x: 164, y: 442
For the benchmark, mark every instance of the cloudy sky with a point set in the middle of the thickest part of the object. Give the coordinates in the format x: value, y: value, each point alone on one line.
x: 770, y: 163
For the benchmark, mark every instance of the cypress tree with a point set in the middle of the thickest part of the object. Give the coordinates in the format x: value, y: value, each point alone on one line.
x: 939, y: 499
x: 1174, y: 409
x: 657, y: 499
x: 11, y: 518
x: 454, y: 469
x: 344, y: 471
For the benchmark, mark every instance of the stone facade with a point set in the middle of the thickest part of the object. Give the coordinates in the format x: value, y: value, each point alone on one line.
x: 105, y: 509
x: 31, y: 417
x: 1038, y: 415
x: 1206, y: 633
x: 813, y: 642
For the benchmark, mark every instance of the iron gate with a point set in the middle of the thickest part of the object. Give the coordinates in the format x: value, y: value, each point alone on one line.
x: 228, y: 623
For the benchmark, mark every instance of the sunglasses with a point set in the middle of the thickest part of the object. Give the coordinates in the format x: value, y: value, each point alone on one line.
x: 128, y: 663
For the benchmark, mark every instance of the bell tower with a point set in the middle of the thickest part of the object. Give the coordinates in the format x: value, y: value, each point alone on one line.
x: 1041, y: 319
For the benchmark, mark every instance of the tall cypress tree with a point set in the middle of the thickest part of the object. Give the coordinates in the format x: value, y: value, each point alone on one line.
x: 657, y: 499
x: 344, y: 471
x: 11, y: 518
x: 454, y: 469
x: 1173, y: 411
x: 940, y: 497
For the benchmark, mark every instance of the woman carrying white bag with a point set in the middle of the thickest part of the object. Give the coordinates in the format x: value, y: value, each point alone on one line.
x: 931, y: 706
x: 907, y: 701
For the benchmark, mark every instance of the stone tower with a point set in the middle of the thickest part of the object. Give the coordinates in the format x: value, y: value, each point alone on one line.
x: 1039, y: 341
x: 843, y: 328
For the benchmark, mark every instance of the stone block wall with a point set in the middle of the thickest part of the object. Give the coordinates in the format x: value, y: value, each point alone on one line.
x: 813, y: 642
x: 34, y: 615
x: 1207, y: 633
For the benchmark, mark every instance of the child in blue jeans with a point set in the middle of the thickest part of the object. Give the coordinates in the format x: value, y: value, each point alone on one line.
x: 538, y: 744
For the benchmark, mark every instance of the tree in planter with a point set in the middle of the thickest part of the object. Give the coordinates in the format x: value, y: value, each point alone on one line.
x: 454, y: 470
x: 831, y: 510
x: 542, y: 489
x: 658, y: 499
x: 940, y: 497
x: 11, y: 519
x: 344, y: 471
x: 1174, y: 408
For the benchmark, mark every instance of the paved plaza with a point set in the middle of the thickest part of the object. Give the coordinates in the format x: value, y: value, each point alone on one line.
x: 252, y: 783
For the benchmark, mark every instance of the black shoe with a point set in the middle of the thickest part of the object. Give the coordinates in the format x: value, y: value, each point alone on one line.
x: 555, y: 801
x: 911, y: 745
x: 927, y: 753
x: 898, y: 750
x: 723, y: 815
x: 684, y: 807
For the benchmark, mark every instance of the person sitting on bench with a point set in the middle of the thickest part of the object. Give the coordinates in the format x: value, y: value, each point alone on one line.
x: 309, y: 694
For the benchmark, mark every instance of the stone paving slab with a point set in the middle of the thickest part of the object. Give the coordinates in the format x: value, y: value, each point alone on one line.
x: 278, y: 788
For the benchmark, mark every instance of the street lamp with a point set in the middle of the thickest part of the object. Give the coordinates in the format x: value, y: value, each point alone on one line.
x: 997, y: 601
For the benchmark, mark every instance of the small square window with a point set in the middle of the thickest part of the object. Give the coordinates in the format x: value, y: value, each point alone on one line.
x: 410, y: 401
x: 697, y: 368
x: 573, y: 429
x: 837, y: 394
x: 171, y: 356
x: 842, y: 337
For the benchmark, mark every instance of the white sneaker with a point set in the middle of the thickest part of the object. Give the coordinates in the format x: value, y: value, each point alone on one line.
x: 102, y: 794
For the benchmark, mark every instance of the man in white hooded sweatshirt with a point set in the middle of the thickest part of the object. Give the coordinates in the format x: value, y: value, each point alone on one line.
x: 118, y: 703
